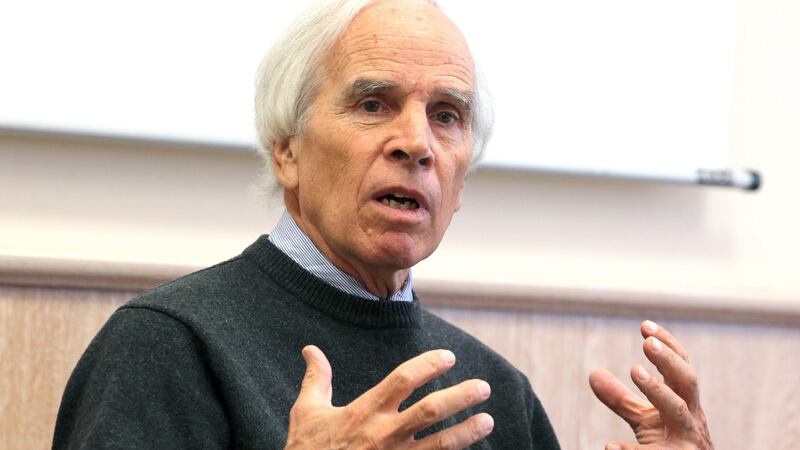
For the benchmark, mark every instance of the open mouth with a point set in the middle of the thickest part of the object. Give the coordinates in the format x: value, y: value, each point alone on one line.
x: 399, y: 201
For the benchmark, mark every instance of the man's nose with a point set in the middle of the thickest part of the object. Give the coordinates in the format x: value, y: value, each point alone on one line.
x: 412, y: 144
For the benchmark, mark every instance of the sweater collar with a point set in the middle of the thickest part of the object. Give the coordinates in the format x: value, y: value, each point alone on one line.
x: 291, y: 240
x: 326, y: 298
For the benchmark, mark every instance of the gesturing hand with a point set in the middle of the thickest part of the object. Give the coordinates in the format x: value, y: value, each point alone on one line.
x: 673, y: 418
x: 372, y: 421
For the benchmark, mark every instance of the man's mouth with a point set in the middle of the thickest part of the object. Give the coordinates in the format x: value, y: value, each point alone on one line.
x: 399, y: 201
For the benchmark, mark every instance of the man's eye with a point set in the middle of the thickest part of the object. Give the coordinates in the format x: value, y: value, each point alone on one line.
x: 446, y: 117
x: 372, y: 106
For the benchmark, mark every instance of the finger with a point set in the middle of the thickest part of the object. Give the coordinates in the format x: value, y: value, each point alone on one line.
x: 442, y: 404
x: 407, y: 377
x: 678, y: 374
x: 649, y: 328
x: 617, y: 397
x: 458, y: 436
x: 672, y: 408
x: 316, y: 387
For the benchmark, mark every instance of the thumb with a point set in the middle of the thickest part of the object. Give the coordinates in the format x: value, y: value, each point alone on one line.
x: 316, y: 386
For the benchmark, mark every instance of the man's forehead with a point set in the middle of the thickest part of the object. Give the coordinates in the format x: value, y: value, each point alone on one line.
x: 385, y: 37
x: 387, y: 14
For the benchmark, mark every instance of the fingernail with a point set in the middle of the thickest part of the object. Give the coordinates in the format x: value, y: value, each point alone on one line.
x: 657, y: 345
x: 613, y: 447
x: 487, y: 422
x: 448, y: 357
x: 483, y: 389
x: 650, y: 326
x: 643, y: 374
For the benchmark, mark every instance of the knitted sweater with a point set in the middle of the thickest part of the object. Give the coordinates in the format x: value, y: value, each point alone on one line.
x: 212, y: 360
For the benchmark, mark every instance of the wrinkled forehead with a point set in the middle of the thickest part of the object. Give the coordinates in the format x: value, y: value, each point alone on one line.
x: 389, y: 34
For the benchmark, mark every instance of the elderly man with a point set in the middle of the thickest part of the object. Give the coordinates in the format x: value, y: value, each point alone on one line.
x: 370, y: 115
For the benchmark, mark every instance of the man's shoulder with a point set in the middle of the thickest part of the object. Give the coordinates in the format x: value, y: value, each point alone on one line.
x: 196, y: 285
x: 231, y: 287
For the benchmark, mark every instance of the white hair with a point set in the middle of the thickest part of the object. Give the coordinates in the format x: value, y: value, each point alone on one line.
x: 288, y: 78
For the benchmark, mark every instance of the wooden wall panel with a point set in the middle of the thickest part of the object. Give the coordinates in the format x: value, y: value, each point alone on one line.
x: 749, y: 374
x: 42, y: 334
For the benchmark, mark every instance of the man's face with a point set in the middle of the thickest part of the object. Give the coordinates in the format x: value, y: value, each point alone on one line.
x: 379, y: 171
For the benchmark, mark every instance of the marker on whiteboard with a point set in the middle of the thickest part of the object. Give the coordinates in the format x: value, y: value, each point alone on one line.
x: 749, y: 180
x: 746, y: 179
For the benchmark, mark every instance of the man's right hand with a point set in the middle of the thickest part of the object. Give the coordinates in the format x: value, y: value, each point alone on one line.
x: 372, y: 421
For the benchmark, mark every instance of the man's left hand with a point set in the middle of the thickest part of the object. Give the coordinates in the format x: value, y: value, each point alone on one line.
x: 673, y: 418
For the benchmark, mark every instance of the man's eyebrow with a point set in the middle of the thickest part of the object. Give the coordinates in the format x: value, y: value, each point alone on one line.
x: 464, y: 99
x: 363, y: 87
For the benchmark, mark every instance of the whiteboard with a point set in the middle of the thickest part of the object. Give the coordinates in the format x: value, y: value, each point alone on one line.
x: 578, y: 84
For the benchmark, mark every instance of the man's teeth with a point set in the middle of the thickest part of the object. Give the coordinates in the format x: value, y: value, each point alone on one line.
x: 405, y: 204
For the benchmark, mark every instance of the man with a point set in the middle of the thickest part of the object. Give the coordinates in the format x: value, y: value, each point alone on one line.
x: 383, y: 120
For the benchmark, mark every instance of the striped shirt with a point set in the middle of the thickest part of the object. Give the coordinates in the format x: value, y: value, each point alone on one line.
x: 290, y: 239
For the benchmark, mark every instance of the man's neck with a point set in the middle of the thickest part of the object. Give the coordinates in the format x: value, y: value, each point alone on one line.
x: 381, y: 283
x: 302, y: 246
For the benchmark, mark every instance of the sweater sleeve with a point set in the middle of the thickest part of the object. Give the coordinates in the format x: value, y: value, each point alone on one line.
x: 142, y: 383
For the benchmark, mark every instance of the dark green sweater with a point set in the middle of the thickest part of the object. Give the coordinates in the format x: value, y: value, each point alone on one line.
x: 212, y: 360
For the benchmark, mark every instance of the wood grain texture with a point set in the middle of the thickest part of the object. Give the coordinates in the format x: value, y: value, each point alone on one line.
x: 43, y: 332
x: 749, y: 374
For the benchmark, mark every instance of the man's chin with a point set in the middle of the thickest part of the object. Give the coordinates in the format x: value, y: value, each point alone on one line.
x: 400, y: 254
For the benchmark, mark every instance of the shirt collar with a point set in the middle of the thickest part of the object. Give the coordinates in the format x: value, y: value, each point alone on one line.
x: 290, y: 239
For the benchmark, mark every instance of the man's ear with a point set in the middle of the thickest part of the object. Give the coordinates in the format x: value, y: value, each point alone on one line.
x: 284, y: 163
